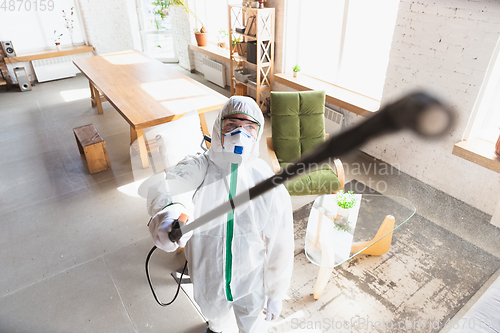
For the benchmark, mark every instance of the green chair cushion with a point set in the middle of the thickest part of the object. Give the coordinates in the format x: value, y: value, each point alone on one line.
x: 298, y: 125
x: 320, y: 181
x: 297, y: 122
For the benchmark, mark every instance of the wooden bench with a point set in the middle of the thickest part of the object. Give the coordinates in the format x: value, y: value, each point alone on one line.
x: 92, y: 148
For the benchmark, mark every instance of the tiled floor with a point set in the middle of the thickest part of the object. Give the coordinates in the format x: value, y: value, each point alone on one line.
x: 73, y: 245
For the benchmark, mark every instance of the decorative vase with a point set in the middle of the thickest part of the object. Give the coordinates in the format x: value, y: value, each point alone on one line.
x: 201, y: 38
x: 343, y: 212
x: 342, y: 219
x: 58, y: 46
x: 497, y: 146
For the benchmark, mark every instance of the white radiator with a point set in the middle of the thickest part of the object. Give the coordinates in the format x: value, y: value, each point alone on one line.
x: 54, y: 68
x: 214, y: 72
x: 333, y: 121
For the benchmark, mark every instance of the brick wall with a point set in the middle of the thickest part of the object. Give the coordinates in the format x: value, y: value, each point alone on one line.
x: 444, y: 47
x: 182, y: 29
x: 107, y: 25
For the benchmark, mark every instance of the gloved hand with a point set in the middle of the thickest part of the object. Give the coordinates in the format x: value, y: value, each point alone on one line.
x: 273, y: 311
x: 161, y: 224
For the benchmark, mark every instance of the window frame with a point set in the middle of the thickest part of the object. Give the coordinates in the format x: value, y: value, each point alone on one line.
x: 145, y: 32
x: 292, y: 55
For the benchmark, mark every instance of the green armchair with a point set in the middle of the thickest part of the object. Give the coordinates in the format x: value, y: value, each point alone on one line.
x: 298, y: 125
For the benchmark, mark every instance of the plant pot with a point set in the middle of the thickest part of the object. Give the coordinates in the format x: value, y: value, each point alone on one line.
x: 342, y: 218
x: 497, y: 146
x: 295, y: 74
x: 201, y: 38
x: 343, y: 213
x: 58, y: 46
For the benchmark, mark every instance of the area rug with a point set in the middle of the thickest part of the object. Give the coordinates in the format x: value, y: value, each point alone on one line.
x: 418, y: 286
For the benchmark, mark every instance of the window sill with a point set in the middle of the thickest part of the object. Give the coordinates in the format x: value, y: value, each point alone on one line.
x: 49, y: 54
x: 478, y: 151
x: 213, y: 51
x: 343, y: 98
x: 335, y: 95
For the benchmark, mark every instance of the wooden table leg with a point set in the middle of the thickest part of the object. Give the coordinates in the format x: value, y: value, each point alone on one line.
x: 204, y: 127
x: 383, y: 244
x: 96, y: 97
x: 98, y: 100
x: 143, y: 151
x: 324, y: 272
x: 92, y: 95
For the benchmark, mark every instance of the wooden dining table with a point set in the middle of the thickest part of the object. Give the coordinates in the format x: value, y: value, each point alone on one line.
x: 145, y: 92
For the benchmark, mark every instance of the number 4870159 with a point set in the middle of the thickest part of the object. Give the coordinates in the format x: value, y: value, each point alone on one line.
x: 26, y: 5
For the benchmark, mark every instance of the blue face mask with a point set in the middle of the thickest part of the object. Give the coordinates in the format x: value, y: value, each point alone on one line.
x: 238, y: 145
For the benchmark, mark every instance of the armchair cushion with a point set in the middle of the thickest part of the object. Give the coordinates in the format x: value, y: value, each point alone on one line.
x: 298, y: 125
x: 320, y: 181
x: 297, y: 122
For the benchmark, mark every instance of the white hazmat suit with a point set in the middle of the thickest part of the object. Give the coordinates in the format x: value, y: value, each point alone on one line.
x: 243, y: 256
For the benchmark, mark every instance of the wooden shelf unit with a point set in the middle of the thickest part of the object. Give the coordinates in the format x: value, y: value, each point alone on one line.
x: 264, y: 20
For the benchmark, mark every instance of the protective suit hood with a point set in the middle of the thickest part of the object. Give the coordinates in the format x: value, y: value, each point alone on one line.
x: 235, y: 104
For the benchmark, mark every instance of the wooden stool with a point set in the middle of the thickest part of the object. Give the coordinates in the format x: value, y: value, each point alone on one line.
x: 92, y: 148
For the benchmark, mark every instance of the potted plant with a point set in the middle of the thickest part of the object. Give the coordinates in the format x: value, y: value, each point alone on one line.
x: 296, y: 70
x: 69, y: 24
x: 234, y: 43
x: 57, y: 38
x: 222, y: 37
x: 201, y: 36
x: 162, y: 9
x: 345, y: 201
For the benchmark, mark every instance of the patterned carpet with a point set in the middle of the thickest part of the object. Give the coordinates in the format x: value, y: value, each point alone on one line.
x: 426, y: 277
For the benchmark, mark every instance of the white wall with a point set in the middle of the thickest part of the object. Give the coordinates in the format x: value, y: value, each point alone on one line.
x: 110, y: 25
x: 183, y: 32
x: 444, y: 47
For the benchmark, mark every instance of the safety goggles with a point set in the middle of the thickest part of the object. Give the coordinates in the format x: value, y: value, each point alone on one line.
x: 229, y: 124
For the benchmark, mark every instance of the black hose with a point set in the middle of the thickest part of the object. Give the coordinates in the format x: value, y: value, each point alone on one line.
x: 151, y: 284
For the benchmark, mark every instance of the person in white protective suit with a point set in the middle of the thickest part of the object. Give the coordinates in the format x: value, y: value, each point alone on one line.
x: 245, y: 256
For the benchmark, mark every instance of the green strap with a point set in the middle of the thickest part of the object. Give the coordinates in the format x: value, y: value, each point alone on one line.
x: 229, y: 233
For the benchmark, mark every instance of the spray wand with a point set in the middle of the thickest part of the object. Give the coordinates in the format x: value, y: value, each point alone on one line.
x: 418, y: 111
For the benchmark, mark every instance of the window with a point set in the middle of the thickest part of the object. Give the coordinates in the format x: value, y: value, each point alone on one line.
x: 157, y: 39
x: 346, y: 43
x: 32, y: 28
x: 213, y: 14
x: 484, y: 122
